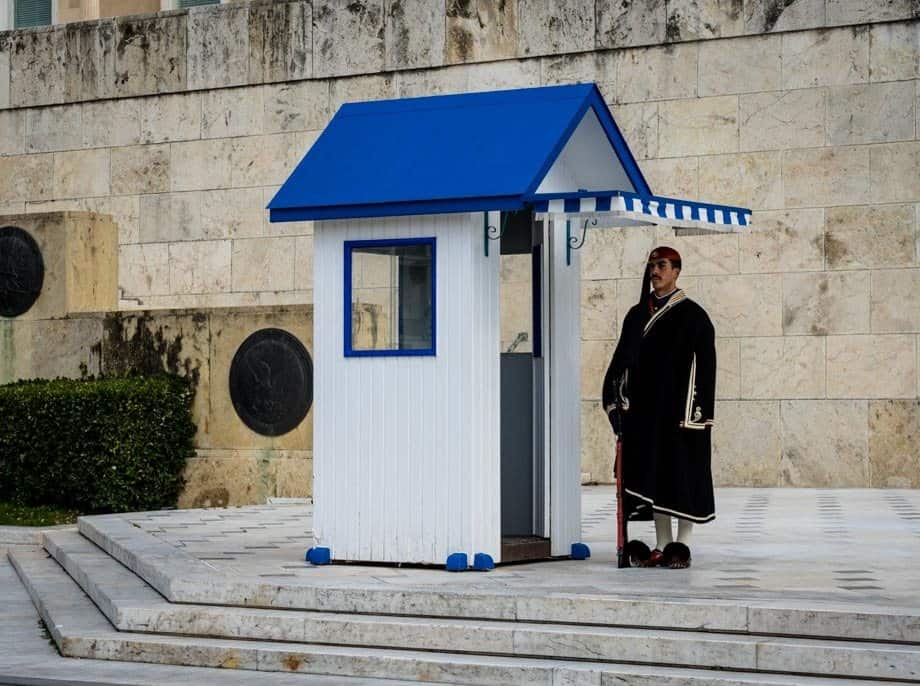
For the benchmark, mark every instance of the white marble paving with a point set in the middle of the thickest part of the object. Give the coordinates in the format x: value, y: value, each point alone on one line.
x: 856, y: 546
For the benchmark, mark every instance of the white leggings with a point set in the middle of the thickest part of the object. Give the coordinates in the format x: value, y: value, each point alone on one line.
x: 664, y: 534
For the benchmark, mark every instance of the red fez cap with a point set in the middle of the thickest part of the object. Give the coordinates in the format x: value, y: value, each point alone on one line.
x: 663, y: 252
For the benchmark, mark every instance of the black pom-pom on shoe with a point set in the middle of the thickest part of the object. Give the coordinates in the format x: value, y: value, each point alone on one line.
x: 637, y: 553
x: 676, y: 555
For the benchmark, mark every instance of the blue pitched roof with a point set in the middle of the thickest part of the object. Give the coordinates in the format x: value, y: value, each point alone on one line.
x: 449, y: 153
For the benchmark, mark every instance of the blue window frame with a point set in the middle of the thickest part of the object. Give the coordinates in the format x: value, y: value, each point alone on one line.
x: 390, y: 297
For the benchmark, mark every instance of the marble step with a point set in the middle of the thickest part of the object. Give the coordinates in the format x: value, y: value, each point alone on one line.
x: 80, y: 630
x: 131, y: 605
x: 112, y: 587
x: 182, y: 578
x: 27, y: 535
x: 27, y: 660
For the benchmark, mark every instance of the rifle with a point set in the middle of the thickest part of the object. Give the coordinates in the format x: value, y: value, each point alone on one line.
x: 622, y: 558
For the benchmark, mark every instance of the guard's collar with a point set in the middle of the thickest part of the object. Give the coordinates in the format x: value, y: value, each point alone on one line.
x: 676, y: 299
x: 658, y: 301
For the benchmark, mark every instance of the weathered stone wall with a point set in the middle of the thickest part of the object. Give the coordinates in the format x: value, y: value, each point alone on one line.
x: 59, y: 334
x: 72, y: 331
x: 181, y: 126
x: 233, y: 465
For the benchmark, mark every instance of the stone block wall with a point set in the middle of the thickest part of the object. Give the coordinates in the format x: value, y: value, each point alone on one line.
x: 233, y: 465
x: 815, y: 314
x: 181, y: 126
x: 72, y: 331
x: 59, y: 334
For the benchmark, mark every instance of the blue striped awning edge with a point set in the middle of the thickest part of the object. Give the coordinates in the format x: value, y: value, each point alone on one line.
x: 653, y: 209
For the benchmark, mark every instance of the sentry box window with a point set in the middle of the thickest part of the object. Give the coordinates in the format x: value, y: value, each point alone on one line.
x: 390, y: 297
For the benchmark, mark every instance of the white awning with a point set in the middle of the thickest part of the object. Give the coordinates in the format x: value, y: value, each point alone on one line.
x: 620, y: 208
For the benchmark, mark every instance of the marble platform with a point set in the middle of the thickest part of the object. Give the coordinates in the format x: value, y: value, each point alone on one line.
x: 765, y: 543
x: 787, y: 587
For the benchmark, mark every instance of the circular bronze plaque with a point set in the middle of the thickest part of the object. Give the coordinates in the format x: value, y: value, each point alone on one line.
x: 22, y: 271
x: 271, y: 382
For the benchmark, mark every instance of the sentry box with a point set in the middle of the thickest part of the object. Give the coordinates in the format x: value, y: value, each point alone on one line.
x: 429, y: 439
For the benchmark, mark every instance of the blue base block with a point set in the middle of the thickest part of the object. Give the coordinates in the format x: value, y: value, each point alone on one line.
x: 318, y: 556
x: 580, y: 551
x: 457, y: 562
x: 483, y: 562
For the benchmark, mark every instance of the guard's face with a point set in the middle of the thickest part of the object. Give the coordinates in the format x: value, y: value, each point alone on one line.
x: 664, y: 276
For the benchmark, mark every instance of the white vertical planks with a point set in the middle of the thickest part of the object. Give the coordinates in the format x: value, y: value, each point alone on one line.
x: 406, y: 449
x: 487, y: 364
x: 565, y: 393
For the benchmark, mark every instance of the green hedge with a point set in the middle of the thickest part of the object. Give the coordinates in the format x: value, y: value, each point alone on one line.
x: 106, y: 445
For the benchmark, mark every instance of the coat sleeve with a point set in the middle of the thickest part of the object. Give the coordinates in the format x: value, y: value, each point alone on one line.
x: 614, y: 391
x: 610, y: 394
x: 699, y: 405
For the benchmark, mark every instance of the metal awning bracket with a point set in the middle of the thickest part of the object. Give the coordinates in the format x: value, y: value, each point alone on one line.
x: 573, y: 242
x: 493, y: 233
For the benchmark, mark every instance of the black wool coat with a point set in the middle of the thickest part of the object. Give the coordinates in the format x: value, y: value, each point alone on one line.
x: 661, y: 381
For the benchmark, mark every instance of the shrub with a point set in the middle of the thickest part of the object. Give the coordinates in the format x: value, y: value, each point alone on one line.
x: 106, y: 445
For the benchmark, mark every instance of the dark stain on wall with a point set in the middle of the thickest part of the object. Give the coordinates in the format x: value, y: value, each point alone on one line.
x: 150, y: 54
x: 141, y: 345
x: 460, y: 42
x: 672, y: 28
x: 836, y: 250
x: 280, y: 41
x: 460, y: 8
x: 772, y: 11
x: 396, y: 19
x: 737, y: 7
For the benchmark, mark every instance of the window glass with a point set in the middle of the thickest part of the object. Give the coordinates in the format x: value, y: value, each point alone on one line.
x: 517, y: 303
x: 391, y: 297
x: 31, y: 13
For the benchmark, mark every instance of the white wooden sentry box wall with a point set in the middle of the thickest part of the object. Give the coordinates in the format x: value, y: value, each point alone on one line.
x: 406, y: 449
x: 407, y: 463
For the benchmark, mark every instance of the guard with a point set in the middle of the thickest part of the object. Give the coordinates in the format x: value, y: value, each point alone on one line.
x: 659, y: 393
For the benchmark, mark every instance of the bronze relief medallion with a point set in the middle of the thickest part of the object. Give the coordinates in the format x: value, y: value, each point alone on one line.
x: 271, y: 382
x: 22, y: 271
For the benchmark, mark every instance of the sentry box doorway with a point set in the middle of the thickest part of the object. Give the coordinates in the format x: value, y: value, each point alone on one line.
x: 431, y: 438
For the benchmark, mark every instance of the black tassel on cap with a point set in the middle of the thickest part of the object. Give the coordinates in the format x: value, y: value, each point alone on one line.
x: 646, y: 285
